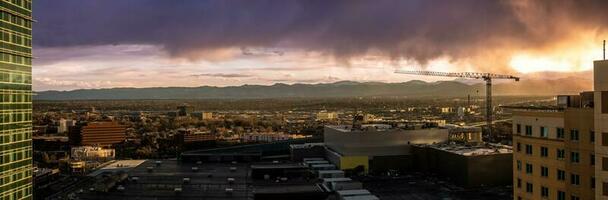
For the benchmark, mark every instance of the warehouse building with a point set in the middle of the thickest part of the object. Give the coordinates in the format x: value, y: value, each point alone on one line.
x: 378, y: 147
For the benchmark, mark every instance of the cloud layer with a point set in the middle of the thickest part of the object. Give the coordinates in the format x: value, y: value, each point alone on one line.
x: 418, y: 29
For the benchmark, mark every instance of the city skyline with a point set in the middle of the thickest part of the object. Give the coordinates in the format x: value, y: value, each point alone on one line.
x: 218, y: 43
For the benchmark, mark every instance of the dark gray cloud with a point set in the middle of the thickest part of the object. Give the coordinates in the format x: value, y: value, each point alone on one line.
x: 415, y: 29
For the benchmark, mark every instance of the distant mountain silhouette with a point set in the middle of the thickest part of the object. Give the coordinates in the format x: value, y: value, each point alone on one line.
x: 337, y: 89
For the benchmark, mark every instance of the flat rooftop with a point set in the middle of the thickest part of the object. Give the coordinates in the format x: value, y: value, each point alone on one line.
x: 150, y: 179
x: 117, y: 165
x: 483, y: 149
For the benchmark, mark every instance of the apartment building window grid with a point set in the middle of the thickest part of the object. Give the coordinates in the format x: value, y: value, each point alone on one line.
x: 544, y: 191
x: 544, y: 132
x: 574, y: 157
x: 560, y: 133
x: 544, y: 152
x: 528, y: 130
x: 544, y: 171
x: 575, y: 179
x: 561, y: 195
x: 529, y: 168
x: 518, y: 129
x: 574, y: 135
x: 529, y: 150
x: 561, y: 154
x: 561, y: 175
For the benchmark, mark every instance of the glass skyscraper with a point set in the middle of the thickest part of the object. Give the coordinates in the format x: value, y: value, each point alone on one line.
x: 16, y: 99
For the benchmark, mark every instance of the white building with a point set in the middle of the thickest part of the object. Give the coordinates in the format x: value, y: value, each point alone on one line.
x: 89, y: 153
x: 63, y: 126
x: 324, y: 115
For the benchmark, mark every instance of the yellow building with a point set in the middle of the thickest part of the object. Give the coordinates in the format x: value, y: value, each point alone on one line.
x: 600, y: 85
x: 554, y: 151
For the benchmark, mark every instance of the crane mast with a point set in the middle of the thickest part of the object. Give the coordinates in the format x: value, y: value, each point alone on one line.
x: 487, y: 77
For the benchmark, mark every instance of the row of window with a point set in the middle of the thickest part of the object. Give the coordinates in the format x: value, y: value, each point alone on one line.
x: 27, y: 4
x: 16, y: 156
x: 560, y: 175
x: 7, y: 17
x: 15, y: 39
x: 16, y: 59
x: 24, y: 78
x: 559, y: 133
x: 560, y: 154
x: 544, y: 191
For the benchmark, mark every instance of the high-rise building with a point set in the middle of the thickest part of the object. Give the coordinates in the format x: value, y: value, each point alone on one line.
x: 16, y: 96
x: 600, y: 87
x: 557, y: 155
x: 553, y: 155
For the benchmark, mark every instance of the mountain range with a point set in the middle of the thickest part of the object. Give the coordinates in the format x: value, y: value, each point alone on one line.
x: 321, y: 90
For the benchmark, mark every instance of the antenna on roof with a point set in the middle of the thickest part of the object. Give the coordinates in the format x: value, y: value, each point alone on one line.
x: 604, y: 49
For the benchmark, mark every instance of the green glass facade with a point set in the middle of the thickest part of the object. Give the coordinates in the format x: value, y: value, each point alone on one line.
x: 15, y: 99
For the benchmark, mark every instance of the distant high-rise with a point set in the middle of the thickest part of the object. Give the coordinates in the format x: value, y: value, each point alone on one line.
x: 16, y: 99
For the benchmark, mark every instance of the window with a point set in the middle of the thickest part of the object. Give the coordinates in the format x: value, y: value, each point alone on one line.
x: 544, y: 191
x: 519, y: 165
x: 592, y: 159
x: 518, y: 183
x: 561, y: 195
x: 604, y: 164
x: 592, y: 182
x: 529, y: 187
x: 544, y: 171
x: 560, y: 133
x: 561, y: 154
x: 518, y: 147
x: 528, y: 149
x: 604, y: 139
x: 592, y: 136
x: 518, y: 131
x: 574, y: 135
x: 561, y: 175
x: 575, y: 179
x: 605, y: 189
x: 529, y: 130
x: 574, y: 197
x: 544, y: 152
x: 604, y: 101
x: 529, y: 168
x: 574, y: 157
x: 544, y: 132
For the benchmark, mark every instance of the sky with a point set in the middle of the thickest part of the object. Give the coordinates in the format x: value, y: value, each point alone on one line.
x: 159, y: 43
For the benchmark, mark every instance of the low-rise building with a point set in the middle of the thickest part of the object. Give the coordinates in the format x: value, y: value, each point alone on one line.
x: 378, y: 147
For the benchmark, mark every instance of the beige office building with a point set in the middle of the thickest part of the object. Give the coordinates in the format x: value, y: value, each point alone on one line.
x: 556, y: 150
x: 600, y: 86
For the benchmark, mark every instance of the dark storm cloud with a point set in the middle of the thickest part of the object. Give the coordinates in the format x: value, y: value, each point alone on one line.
x: 417, y: 29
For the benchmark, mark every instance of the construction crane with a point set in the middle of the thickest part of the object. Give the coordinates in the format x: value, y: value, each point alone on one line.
x: 487, y: 77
